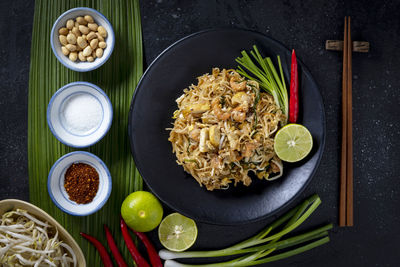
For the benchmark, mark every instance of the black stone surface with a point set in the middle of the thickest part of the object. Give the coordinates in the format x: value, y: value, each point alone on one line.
x: 16, y: 19
x: 304, y: 26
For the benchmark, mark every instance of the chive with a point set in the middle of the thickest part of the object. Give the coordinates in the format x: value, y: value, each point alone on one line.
x: 222, y: 101
x: 192, y: 161
x: 188, y: 146
x: 263, y: 71
x: 257, y: 93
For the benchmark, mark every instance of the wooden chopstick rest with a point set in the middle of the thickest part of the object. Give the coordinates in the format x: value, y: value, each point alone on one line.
x: 337, y: 45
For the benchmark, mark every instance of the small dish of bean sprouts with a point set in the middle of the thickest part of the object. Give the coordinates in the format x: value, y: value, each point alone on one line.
x: 28, y: 241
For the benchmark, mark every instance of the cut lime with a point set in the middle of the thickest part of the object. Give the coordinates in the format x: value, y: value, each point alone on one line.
x: 293, y: 143
x: 142, y: 211
x: 177, y: 232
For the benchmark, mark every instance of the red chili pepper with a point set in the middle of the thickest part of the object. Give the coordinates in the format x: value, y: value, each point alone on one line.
x: 294, y: 90
x: 153, y: 255
x: 102, y: 250
x: 114, y: 249
x: 140, y: 261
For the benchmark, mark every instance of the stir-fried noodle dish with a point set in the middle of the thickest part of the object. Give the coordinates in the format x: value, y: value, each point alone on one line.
x: 224, y: 128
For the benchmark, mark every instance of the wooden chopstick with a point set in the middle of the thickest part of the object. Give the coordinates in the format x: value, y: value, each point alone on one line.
x: 343, y: 165
x: 349, y: 161
x: 346, y: 164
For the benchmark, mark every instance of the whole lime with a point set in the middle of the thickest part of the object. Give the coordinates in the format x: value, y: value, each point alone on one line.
x: 142, y: 211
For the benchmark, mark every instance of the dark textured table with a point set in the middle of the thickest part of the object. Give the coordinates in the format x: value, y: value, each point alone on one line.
x: 303, y: 25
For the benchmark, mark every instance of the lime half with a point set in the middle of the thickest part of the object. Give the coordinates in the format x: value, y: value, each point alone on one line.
x: 177, y: 232
x: 293, y: 143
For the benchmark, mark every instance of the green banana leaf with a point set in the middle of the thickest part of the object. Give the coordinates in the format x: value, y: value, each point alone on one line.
x: 118, y: 77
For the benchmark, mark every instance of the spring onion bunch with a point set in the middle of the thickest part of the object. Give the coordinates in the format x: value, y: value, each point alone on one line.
x: 263, y: 71
x: 257, y: 249
x: 28, y: 241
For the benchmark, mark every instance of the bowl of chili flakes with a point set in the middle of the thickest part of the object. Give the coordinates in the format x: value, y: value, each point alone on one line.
x: 79, y: 183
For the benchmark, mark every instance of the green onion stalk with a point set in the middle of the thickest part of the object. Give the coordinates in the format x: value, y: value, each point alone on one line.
x: 256, y: 249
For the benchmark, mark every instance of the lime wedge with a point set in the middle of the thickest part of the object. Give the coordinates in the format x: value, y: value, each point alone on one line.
x: 177, y: 232
x: 293, y: 142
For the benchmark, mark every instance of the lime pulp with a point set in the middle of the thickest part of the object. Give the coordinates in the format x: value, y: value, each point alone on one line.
x: 177, y: 232
x: 293, y: 142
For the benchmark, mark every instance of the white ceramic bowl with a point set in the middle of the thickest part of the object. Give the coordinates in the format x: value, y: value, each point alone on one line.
x: 12, y: 204
x: 101, y: 20
x: 58, y: 125
x: 57, y: 192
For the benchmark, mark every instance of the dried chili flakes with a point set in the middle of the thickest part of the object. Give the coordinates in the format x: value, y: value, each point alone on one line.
x: 81, y: 182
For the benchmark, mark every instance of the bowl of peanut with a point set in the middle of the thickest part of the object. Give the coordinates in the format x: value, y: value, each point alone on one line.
x: 82, y: 39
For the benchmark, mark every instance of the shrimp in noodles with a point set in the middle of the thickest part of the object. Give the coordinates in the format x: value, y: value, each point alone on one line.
x: 224, y: 129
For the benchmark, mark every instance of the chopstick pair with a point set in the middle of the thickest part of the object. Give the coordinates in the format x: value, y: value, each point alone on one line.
x: 346, y: 167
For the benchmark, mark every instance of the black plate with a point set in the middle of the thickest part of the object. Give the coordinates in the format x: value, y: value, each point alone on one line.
x: 154, y: 102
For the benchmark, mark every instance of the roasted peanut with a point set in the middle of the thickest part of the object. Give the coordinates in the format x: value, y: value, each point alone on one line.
x: 83, y: 29
x: 89, y: 18
x: 87, y: 51
x: 70, y: 24
x: 102, y: 31
x: 71, y: 38
x: 81, y: 42
x: 99, y: 52
x: 63, y: 39
x: 93, y: 26
x: 73, y: 56
x: 91, y: 36
x: 102, y: 45
x: 81, y: 56
x: 76, y: 31
x: 93, y: 43
x: 71, y: 47
x: 65, y: 51
x: 81, y: 21
x: 82, y: 39
x: 101, y: 39
x: 63, y: 31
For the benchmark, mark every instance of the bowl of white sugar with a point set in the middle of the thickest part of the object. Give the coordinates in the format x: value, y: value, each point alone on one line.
x: 79, y: 114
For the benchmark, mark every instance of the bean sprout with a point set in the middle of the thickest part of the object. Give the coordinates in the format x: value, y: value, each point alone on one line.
x: 28, y: 241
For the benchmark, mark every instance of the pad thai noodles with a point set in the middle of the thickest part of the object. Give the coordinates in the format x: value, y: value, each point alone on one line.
x: 224, y: 128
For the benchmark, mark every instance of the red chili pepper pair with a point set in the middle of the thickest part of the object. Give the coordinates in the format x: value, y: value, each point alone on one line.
x: 137, y: 257
x: 103, y: 252
x: 140, y: 261
x: 294, y: 90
